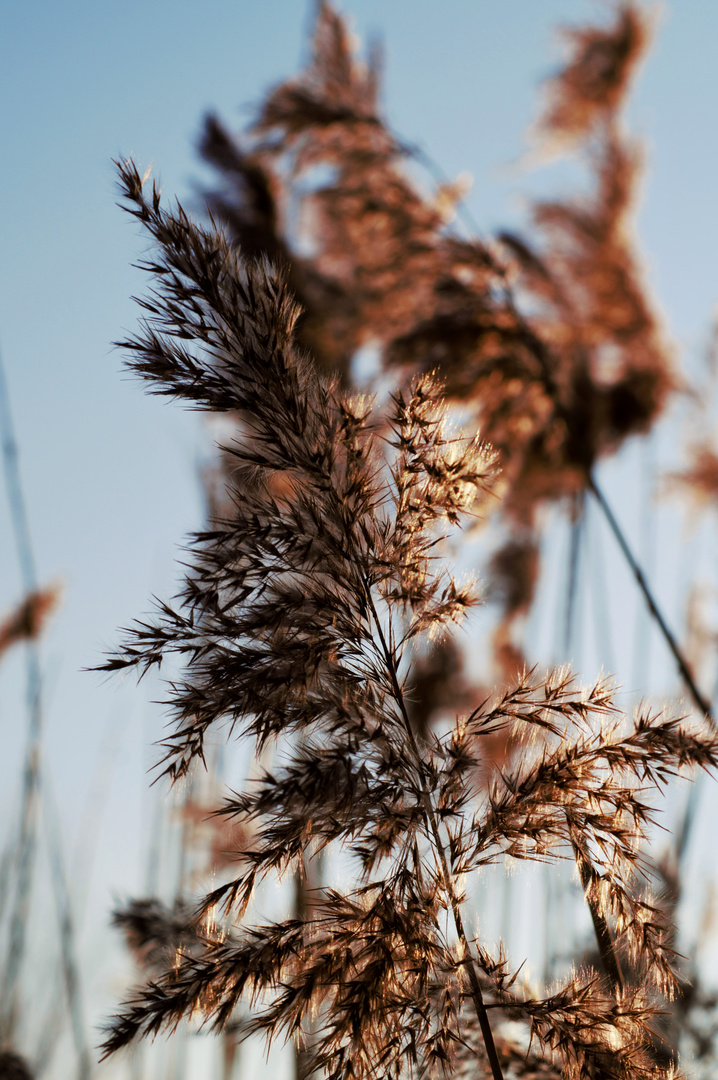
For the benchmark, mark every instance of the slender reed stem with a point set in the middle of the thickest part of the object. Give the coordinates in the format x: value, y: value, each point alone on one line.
x: 606, y: 947
x: 700, y: 701
x: 604, y: 940
x: 29, y: 816
x: 32, y: 782
x: 433, y: 825
x: 70, y: 967
x: 577, y: 529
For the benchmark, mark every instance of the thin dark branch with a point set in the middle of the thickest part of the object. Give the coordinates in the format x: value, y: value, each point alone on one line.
x: 699, y: 700
x: 447, y: 879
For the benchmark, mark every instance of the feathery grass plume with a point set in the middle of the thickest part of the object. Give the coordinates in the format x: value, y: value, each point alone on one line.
x: 372, y: 235
x: 610, y: 367
x: 600, y: 65
x: 321, y: 170
x: 555, y: 390
x: 589, y: 367
x: 299, y: 615
x: 551, y: 339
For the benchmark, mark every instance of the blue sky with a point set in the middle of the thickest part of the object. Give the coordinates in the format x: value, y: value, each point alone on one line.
x: 110, y: 476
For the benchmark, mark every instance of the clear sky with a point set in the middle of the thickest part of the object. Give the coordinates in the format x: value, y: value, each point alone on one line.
x: 110, y: 476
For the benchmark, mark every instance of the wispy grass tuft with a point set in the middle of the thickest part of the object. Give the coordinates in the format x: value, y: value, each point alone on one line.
x: 299, y: 621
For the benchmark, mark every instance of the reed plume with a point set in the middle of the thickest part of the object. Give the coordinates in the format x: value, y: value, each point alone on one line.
x: 551, y: 339
x: 297, y: 624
